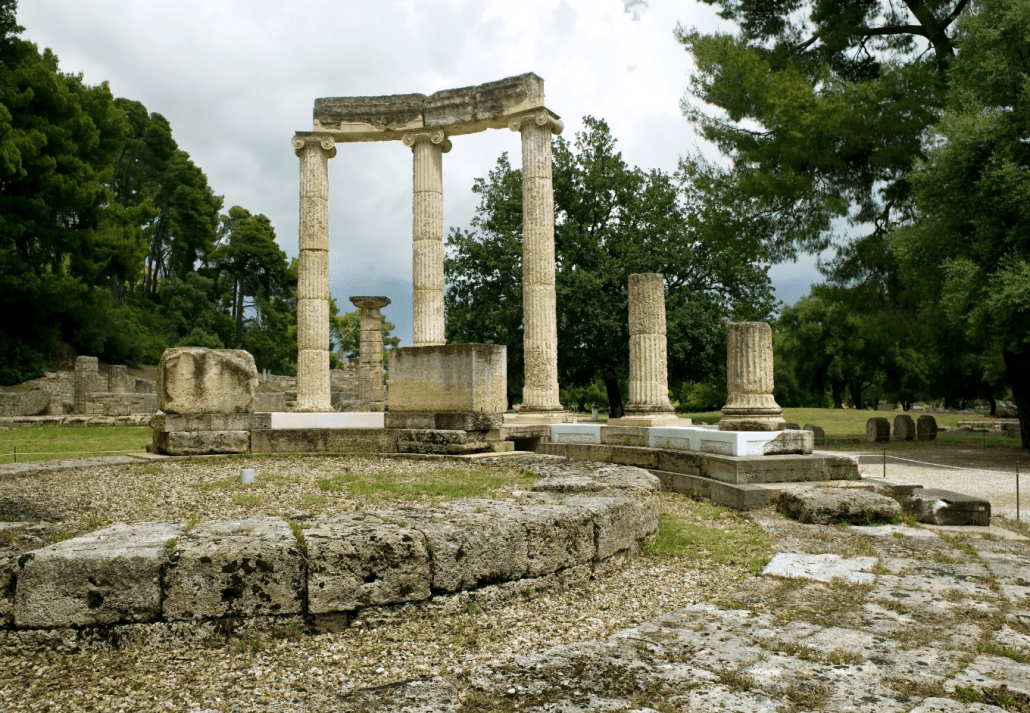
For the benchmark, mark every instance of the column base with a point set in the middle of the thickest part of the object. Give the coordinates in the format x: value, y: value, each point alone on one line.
x: 756, y: 422
x: 648, y: 420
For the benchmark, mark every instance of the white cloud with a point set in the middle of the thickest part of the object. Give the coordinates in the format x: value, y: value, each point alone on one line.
x: 236, y: 78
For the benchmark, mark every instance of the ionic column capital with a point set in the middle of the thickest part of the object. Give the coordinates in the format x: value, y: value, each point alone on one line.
x: 437, y: 137
x: 327, y: 143
x: 538, y: 117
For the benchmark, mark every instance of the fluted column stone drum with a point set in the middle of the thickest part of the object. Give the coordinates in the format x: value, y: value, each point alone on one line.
x: 648, y: 360
x: 750, y: 405
x: 370, y: 352
x: 427, y: 149
x: 539, y: 321
x: 313, y: 389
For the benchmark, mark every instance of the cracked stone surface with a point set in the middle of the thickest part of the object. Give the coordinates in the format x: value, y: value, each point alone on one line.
x: 941, y: 626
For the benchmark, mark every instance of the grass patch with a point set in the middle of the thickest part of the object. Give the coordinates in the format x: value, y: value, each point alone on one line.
x: 438, y: 486
x: 313, y: 501
x: 247, y: 500
x: 52, y: 442
x: 704, y: 530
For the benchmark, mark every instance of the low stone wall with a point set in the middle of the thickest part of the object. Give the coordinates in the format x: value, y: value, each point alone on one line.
x: 127, y: 576
x: 135, y: 419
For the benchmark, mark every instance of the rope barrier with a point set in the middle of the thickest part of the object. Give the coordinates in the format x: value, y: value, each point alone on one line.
x: 955, y: 467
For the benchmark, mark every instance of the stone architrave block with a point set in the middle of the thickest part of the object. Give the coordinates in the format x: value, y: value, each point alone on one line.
x: 818, y: 433
x: 926, y: 428
x: 250, y: 567
x: 198, y: 380
x: 467, y: 548
x: 877, y: 430
x: 198, y: 443
x: 451, y: 378
x: 29, y: 403
x: 829, y: 506
x: 108, y: 576
x: 904, y: 428
x: 790, y: 442
x: 357, y: 561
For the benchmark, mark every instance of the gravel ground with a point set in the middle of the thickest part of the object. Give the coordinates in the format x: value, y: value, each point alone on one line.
x: 285, y: 660
x: 83, y: 499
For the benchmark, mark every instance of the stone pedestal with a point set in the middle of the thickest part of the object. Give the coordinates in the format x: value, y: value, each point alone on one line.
x: 427, y: 148
x: 450, y: 378
x: 750, y: 405
x: 540, y: 332
x: 648, y: 370
x: 370, y: 352
x: 313, y: 391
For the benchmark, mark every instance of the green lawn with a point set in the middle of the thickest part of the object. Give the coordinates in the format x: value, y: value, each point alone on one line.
x: 50, y: 442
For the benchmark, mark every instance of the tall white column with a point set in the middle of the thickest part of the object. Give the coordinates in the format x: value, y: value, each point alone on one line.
x: 750, y: 405
x: 313, y: 390
x: 539, y: 321
x: 427, y: 148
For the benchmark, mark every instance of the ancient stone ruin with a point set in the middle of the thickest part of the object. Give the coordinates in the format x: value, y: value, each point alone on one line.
x: 750, y: 405
x: 426, y: 124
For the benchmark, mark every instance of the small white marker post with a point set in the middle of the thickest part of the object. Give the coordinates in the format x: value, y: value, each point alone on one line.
x: 246, y: 476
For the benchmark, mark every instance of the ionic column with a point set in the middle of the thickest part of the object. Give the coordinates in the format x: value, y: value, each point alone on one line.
x: 648, y: 369
x: 427, y: 148
x: 313, y: 390
x: 370, y: 352
x: 750, y: 405
x: 539, y: 322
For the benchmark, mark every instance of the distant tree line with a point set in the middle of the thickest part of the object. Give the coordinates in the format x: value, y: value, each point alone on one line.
x: 113, y: 244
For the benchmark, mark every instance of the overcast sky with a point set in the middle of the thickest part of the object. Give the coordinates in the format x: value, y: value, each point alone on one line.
x: 236, y: 79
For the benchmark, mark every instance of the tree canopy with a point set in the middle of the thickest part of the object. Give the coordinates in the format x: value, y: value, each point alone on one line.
x: 611, y: 221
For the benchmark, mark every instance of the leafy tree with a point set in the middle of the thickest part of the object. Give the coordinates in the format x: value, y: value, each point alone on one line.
x: 611, y: 222
x: 248, y: 257
x: 968, y: 250
x: 345, y: 335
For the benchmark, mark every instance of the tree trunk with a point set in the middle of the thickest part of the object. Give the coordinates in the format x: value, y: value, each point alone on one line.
x: 855, y: 387
x: 838, y: 397
x: 611, y: 385
x: 239, y: 315
x: 1017, y: 368
x: 993, y: 402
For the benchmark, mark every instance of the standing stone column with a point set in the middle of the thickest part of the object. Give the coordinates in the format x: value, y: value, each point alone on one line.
x: 539, y: 322
x: 427, y: 235
x: 87, y: 382
x: 750, y: 405
x: 648, y: 360
x: 313, y: 390
x: 370, y: 352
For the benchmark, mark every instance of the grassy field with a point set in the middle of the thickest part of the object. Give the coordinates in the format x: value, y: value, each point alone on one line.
x: 50, y: 442
x: 838, y: 423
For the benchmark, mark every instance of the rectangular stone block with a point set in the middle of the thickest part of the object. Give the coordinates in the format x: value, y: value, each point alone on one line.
x: 415, y: 419
x: 468, y: 548
x: 944, y: 507
x: 208, y: 421
x: 340, y: 441
x: 452, y: 378
x: 357, y: 561
x: 269, y: 402
x: 624, y: 436
x: 616, y: 522
x: 106, y: 577
x: 250, y: 567
x: 196, y: 443
x: 441, y: 442
x: 575, y: 433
